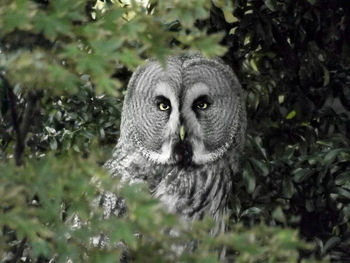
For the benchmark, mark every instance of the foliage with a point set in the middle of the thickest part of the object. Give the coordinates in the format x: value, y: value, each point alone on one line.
x: 52, y: 190
x: 64, y: 66
x: 293, y: 60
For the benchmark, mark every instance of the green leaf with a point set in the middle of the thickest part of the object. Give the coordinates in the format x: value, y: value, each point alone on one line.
x: 208, y: 45
x: 301, y: 174
x: 288, y: 188
x: 312, y: 2
x: 249, y: 178
x: 326, y: 77
x: 124, y: 231
x: 17, y: 16
x: 291, y: 115
x: 257, y: 141
x: 330, y: 243
x: 253, y: 65
x: 279, y: 215
x: 260, y: 166
x: 236, y: 206
x: 271, y: 4
x: 343, y: 178
x: 331, y: 155
x: 289, y: 153
x: 53, y: 144
x: 51, y: 26
x: 343, y: 192
x: 229, y: 17
x: 40, y: 248
x: 252, y: 211
x: 309, y: 204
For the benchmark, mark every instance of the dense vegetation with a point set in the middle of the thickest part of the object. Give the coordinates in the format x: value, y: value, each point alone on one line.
x: 63, y: 68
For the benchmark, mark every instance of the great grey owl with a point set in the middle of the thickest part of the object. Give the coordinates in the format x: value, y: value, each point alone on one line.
x: 182, y: 132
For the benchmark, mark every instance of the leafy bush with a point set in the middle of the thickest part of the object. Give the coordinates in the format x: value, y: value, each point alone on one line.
x: 64, y: 66
x: 39, y: 198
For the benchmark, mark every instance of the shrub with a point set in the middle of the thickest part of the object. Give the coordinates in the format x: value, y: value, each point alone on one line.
x: 64, y: 66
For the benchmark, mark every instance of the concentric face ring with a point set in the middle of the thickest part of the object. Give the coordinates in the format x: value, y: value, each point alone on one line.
x: 200, y: 95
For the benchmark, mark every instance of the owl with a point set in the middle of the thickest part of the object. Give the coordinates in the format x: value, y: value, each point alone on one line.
x: 182, y: 132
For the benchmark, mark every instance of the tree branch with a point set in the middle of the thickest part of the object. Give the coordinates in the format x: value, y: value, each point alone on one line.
x: 21, y: 129
x: 32, y: 98
x: 12, y: 101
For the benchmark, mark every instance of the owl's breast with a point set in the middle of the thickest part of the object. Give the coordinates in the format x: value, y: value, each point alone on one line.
x: 194, y: 192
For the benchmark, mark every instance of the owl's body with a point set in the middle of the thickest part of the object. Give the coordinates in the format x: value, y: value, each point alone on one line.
x: 182, y: 133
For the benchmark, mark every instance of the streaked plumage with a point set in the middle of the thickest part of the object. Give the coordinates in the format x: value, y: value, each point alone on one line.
x: 182, y: 132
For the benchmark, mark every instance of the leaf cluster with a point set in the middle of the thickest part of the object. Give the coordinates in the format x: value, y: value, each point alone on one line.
x: 41, y: 202
x: 293, y: 60
x: 289, y: 204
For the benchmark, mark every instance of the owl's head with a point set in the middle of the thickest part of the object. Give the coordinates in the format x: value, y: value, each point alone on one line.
x: 189, y: 113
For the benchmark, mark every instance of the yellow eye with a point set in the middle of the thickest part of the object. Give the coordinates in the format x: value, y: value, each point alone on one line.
x: 164, y: 106
x: 202, y: 105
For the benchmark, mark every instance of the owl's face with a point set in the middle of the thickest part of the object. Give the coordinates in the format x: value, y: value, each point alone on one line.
x: 188, y: 113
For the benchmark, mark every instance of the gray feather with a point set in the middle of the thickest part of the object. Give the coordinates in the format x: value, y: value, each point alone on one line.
x: 193, y: 178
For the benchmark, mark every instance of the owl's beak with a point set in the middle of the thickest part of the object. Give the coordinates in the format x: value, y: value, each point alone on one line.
x: 182, y: 133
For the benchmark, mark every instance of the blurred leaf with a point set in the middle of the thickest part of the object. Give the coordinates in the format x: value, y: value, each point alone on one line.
x: 41, y: 248
x: 312, y: 2
x: 291, y: 115
x: 258, y: 145
x: 301, y: 174
x: 253, y: 65
x: 279, y: 215
x: 53, y: 144
x: 343, y: 192
x: 332, y: 242
x: 331, y: 155
x: 288, y: 188
x: 260, y: 166
x: 249, y: 178
x: 271, y: 4
x: 79, y: 56
x: 251, y: 211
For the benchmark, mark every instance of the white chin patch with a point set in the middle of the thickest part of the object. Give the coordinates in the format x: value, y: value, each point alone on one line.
x: 164, y: 156
x: 200, y: 156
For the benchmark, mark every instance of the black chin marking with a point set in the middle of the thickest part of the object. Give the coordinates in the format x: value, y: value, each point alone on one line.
x: 183, y: 153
